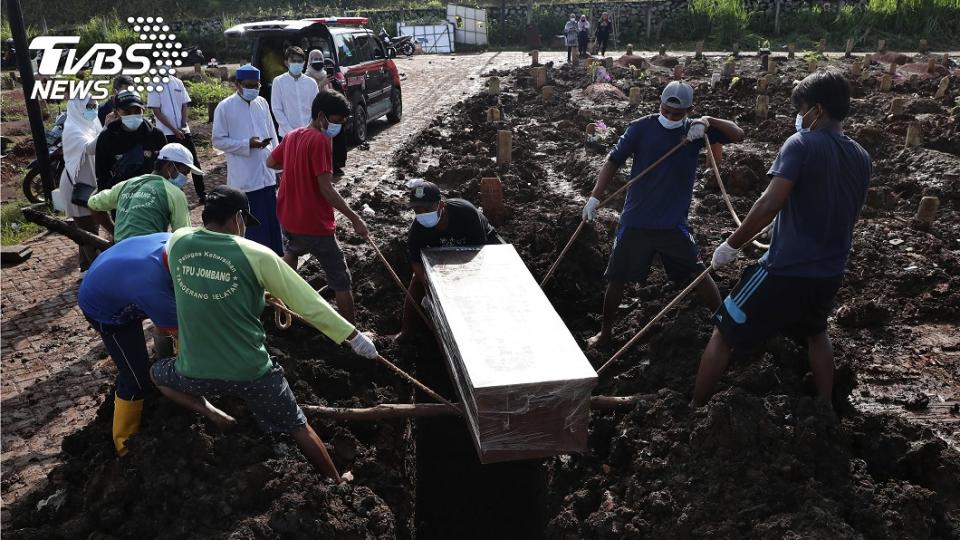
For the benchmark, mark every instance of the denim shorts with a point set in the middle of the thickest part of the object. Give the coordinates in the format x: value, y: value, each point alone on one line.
x: 269, y: 398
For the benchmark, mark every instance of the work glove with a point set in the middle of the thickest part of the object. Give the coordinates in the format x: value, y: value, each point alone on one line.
x: 696, y: 131
x: 590, y: 210
x: 723, y: 256
x: 363, y: 346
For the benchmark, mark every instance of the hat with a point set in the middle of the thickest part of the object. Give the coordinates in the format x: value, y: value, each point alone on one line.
x: 129, y: 98
x: 677, y: 94
x: 423, y: 193
x: 248, y: 72
x: 178, y: 153
x: 224, y: 201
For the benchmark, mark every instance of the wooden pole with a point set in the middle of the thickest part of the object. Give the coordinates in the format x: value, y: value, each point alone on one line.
x: 942, y: 87
x: 399, y: 282
x: 539, y: 77
x: 504, y: 147
x: 927, y: 212
x: 886, y: 83
x: 771, y: 67
x: 812, y: 66
x: 849, y: 52
x: 923, y: 46
x: 913, y: 134
x: 535, y: 58
x: 491, y: 199
x: 867, y: 59
x: 763, y: 104
x: 776, y: 21
x: 762, y: 84
x: 699, y: 54
x: 493, y: 85
x: 68, y: 229
x: 629, y: 183
x: 882, y: 45
x: 855, y: 69
x: 791, y: 50
x: 493, y: 114
x: 822, y: 46
x: 892, y: 69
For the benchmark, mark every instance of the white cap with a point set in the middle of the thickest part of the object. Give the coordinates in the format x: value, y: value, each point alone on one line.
x: 178, y: 153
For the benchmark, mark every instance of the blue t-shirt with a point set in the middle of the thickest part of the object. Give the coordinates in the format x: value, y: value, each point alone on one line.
x: 130, y: 282
x: 813, y: 232
x: 661, y: 199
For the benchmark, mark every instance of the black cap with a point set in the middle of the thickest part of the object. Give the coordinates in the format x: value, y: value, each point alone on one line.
x: 225, y: 201
x: 424, y: 193
x: 128, y: 99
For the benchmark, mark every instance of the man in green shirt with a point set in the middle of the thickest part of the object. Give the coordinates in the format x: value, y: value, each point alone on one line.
x: 219, y: 280
x: 150, y: 203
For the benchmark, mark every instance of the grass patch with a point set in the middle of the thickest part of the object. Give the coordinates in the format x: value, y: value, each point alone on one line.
x: 14, y: 228
x: 207, y: 91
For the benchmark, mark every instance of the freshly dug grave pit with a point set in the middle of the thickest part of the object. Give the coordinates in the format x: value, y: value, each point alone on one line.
x: 762, y: 459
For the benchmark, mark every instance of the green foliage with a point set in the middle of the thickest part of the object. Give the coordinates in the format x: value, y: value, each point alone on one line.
x: 727, y: 18
x: 107, y: 29
x: 5, y: 32
x: 14, y: 228
x: 207, y: 91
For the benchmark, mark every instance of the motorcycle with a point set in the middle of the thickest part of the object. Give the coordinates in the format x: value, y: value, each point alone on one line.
x: 405, y: 45
x: 32, y: 182
x: 194, y: 56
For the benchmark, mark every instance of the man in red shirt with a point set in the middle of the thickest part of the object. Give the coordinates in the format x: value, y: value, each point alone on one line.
x: 307, y: 197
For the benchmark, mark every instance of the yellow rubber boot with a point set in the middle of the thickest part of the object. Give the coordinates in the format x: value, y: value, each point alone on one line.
x: 126, y: 421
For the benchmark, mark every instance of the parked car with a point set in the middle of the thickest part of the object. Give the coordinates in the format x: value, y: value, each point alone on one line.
x: 357, y: 59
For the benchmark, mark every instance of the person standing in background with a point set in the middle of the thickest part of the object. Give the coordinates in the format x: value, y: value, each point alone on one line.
x: 292, y: 94
x: 243, y: 130
x: 583, y: 35
x: 604, y: 27
x: 570, y: 35
x: 170, y: 108
x: 79, y: 147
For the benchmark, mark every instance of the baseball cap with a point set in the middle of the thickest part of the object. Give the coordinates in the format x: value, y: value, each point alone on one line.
x: 178, y: 153
x: 225, y: 201
x: 423, y: 193
x: 129, y: 98
x: 677, y: 94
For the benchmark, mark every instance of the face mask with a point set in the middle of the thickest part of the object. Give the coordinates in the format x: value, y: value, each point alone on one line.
x: 429, y: 219
x: 798, y: 124
x: 132, y: 121
x: 332, y: 130
x: 669, y: 124
x: 90, y: 114
x: 296, y: 68
x: 179, y: 180
x: 316, y: 65
x: 249, y: 94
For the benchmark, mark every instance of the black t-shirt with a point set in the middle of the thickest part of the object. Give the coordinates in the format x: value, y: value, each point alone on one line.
x: 116, y: 141
x: 466, y: 226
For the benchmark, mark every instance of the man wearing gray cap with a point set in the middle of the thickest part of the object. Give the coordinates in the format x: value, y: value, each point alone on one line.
x: 654, y: 217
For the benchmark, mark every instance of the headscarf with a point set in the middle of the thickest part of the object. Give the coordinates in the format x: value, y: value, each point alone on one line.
x: 319, y: 75
x: 605, y: 16
x: 77, y: 133
x: 584, y: 24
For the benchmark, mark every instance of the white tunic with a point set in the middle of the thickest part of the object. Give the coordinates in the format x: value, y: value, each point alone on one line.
x: 170, y: 102
x: 234, y: 122
x: 291, y: 99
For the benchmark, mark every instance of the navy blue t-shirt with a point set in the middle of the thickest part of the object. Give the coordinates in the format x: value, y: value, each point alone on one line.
x: 813, y: 232
x: 661, y: 199
x: 130, y: 282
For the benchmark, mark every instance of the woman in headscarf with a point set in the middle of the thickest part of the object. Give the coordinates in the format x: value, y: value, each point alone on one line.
x: 570, y: 35
x: 80, y: 132
x: 583, y: 34
x: 604, y: 27
x: 315, y: 69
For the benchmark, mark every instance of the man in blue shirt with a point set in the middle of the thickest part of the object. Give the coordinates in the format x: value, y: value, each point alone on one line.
x: 654, y: 217
x: 820, y: 180
x: 125, y: 285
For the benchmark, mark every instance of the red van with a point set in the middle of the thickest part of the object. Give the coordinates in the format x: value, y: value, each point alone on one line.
x: 359, y: 63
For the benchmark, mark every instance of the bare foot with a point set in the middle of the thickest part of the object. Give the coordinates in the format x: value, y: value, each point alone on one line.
x: 223, y: 420
x: 602, y: 339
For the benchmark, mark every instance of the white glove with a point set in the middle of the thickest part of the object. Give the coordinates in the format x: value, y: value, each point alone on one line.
x: 363, y: 346
x: 590, y: 210
x: 723, y: 256
x: 696, y: 131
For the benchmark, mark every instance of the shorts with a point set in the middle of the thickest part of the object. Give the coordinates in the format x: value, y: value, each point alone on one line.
x: 762, y: 305
x: 634, y: 250
x: 328, y: 253
x: 269, y: 398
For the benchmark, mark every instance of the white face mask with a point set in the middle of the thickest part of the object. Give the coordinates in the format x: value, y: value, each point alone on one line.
x: 429, y: 219
x: 668, y: 123
x: 798, y: 124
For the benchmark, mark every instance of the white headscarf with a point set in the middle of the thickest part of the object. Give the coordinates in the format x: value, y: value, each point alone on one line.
x: 319, y: 75
x: 77, y: 133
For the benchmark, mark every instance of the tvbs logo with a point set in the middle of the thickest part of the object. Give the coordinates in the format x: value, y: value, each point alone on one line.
x: 149, y: 62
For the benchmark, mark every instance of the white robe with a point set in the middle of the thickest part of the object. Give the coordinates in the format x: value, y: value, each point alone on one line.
x: 234, y: 122
x: 291, y: 99
x: 79, y: 149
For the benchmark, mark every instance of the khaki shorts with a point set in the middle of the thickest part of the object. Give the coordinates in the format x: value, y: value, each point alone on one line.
x: 328, y: 253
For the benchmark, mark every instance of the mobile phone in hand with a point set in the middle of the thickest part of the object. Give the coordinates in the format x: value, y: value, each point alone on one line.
x: 265, y: 142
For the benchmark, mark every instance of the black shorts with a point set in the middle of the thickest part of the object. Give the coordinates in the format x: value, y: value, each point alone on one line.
x: 634, y: 250
x: 762, y: 305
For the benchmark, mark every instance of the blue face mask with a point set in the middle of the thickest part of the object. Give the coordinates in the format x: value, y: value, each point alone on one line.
x: 179, y: 180
x: 90, y: 114
x: 429, y: 219
x: 332, y: 130
x: 296, y: 68
x: 250, y: 94
x: 132, y: 121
